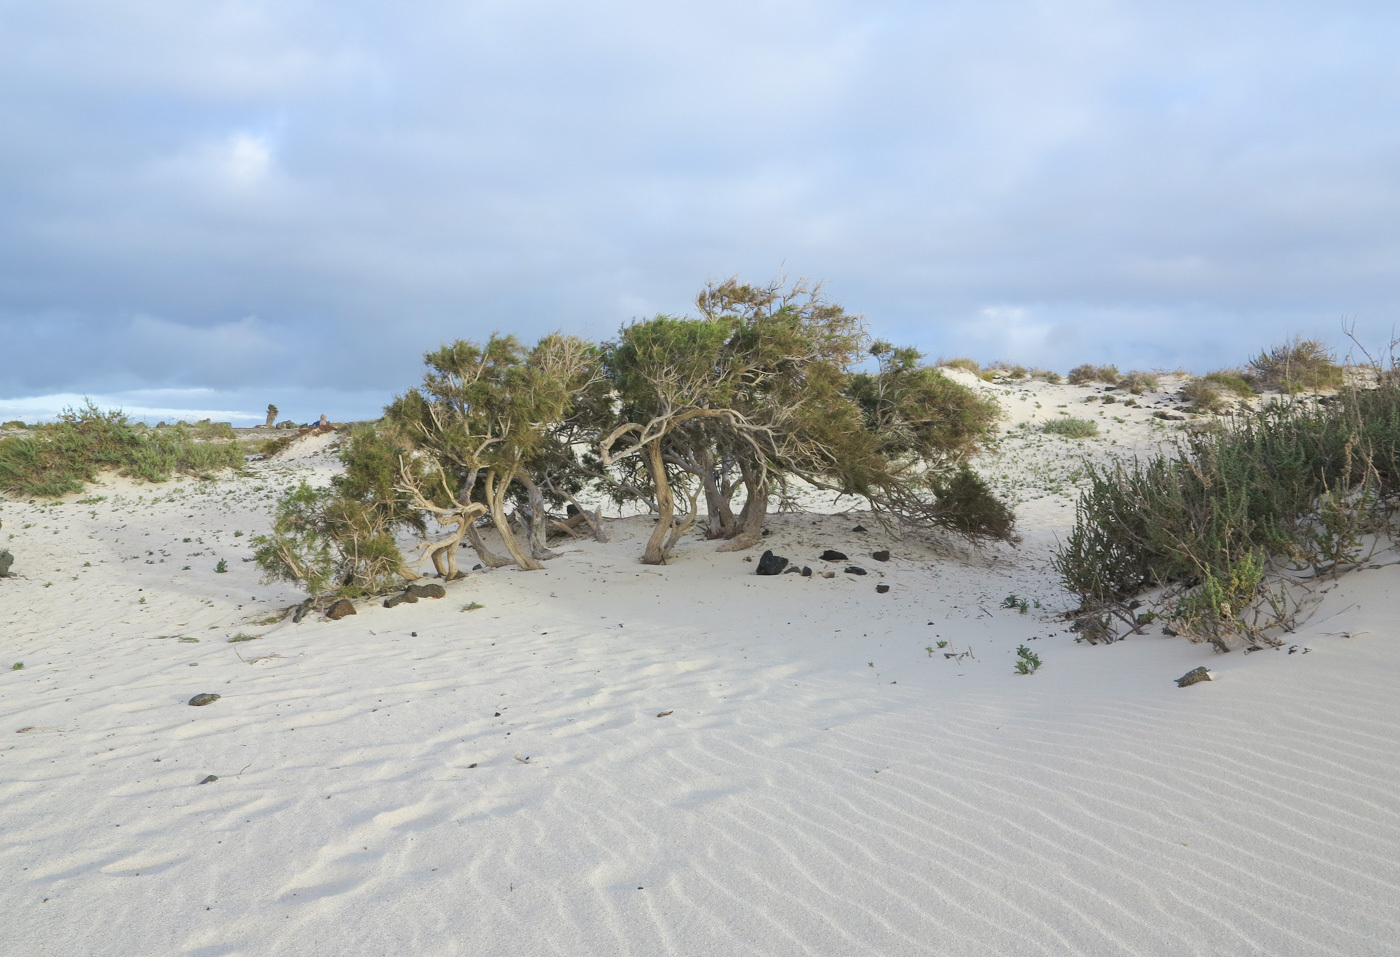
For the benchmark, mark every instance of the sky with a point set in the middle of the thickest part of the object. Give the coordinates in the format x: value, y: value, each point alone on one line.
x: 208, y: 207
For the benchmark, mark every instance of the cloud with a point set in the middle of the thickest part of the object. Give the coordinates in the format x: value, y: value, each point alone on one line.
x: 1167, y: 183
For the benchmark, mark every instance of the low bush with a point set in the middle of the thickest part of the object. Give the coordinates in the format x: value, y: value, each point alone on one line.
x: 1084, y: 374
x: 1203, y: 396
x: 1139, y: 382
x: 1302, y: 365
x: 1072, y: 428
x: 1239, y: 382
x: 963, y: 363
x: 1302, y: 485
x: 62, y: 457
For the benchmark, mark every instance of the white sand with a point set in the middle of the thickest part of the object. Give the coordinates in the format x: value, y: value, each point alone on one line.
x: 823, y: 784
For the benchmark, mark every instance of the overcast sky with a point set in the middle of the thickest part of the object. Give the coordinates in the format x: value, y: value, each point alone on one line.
x: 206, y: 207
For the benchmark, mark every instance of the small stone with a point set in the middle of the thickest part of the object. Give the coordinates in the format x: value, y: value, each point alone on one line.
x: 882, y: 555
x: 200, y: 700
x: 340, y: 609
x: 210, y: 779
x: 832, y: 555
x: 1193, y: 676
x: 806, y: 571
x: 881, y: 589
x: 828, y: 574
x: 771, y: 564
x: 430, y: 590
x: 302, y: 610
x: 855, y: 570
x: 6, y: 560
x: 860, y: 528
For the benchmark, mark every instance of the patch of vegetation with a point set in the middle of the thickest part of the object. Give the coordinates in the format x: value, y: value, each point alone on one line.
x: 1203, y: 396
x: 1233, y: 380
x: 1084, y: 374
x: 1139, y: 382
x: 963, y: 363
x: 1302, y: 365
x: 1072, y: 428
x: 62, y: 457
x: 243, y: 636
x: 1027, y: 661
x: 1298, y: 486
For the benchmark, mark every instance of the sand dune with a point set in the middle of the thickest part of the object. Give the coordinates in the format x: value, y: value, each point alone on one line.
x: 432, y: 780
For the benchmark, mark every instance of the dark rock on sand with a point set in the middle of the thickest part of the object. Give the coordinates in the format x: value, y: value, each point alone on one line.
x: 881, y: 589
x: 210, y: 779
x: 1193, y: 676
x: 302, y: 610
x: 882, y: 555
x: 6, y: 560
x: 340, y: 609
x: 855, y: 570
x: 860, y: 528
x: 399, y: 599
x: 200, y: 700
x: 832, y: 555
x: 771, y: 564
x: 806, y: 571
x: 430, y: 590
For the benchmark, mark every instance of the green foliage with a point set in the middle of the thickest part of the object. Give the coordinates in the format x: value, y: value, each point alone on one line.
x: 219, y: 568
x: 1298, y: 484
x: 1072, y: 428
x: 1301, y: 365
x: 63, y: 456
x: 17, y: 666
x: 1084, y: 374
x: 1204, y: 396
x: 1027, y: 661
x: 1233, y: 380
x: 963, y: 363
x: 1139, y: 382
x: 1011, y: 601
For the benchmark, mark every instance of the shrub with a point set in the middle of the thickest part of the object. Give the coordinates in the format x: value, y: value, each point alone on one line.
x: 1072, y: 428
x: 963, y: 363
x: 1203, y: 396
x: 1233, y: 380
x: 1302, y: 365
x: 61, y: 457
x: 1305, y: 485
x: 1084, y: 374
x: 1139, y: 382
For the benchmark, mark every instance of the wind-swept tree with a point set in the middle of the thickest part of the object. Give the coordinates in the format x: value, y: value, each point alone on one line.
x: 481, y: 424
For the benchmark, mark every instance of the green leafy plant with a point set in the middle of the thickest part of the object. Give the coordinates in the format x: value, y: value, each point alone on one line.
x: 1072, y: 428
x: 1021, y: 604
x: 221, y: 567
x: 1084, y: 374
x: 17, y: 666
x: 1027, y: 661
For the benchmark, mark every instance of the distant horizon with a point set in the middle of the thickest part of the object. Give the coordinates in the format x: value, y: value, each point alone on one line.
x: 208, y: 208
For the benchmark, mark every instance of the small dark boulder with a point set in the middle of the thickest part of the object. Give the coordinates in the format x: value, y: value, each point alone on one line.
x: 881, y: 589
x: 210, y: 779
x: 855, y: 570
x: 340, y: 609
x: 882, y: 555
x: 6, y: 560
x: 1193, y: 676
x: 806, y: 571
x: 860, y: 528
x: 430, y: 590
x: 200, y: 700
x: 832, y: 555
x: 771, y: 564
x: 302, y: 610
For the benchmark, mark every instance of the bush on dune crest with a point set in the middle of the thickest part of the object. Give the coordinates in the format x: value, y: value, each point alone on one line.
x: 62, y: 457
x: 1297, y: 487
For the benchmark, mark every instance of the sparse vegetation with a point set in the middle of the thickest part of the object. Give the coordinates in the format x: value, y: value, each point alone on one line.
x: 61, y: 457
x: 1072, y: 428
x: 1293, y: 487
x: 1139, y: 382
x: 1027, y: 661
x: 1085, y: 374
x: 1301, y: 365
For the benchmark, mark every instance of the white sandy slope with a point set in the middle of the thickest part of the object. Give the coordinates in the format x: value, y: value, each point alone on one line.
x: 429, y: 780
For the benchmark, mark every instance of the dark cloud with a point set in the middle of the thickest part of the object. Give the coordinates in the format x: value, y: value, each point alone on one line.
x: 250, y: 197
